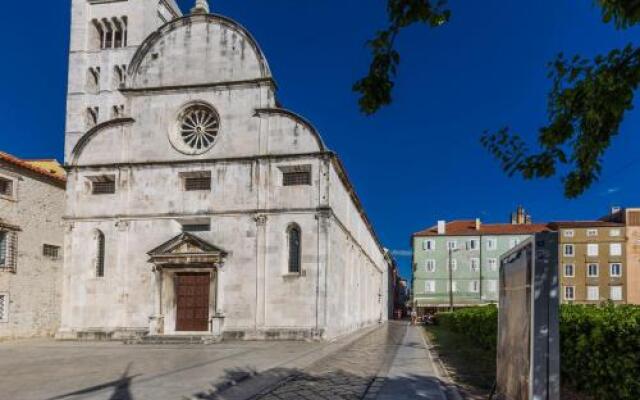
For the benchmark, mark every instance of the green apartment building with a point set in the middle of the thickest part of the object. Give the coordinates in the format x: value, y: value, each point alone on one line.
x: 475, y: 251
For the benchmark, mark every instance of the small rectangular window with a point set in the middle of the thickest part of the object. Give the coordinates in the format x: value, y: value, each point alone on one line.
x: 592, y: 250
x: 593, y: 293
x: 616, y: 293
x: 592, y: 232
x: 6, y: 187
x: 592, y: 270
x: 454, y: 286
x: 50, y: 251
x: 614, y: 232
x: 568, y: 250
x: 196, y: 227
x: 492, y: 244
x: 430, y: 286
x: 472, y: 244
x: 492, y: 263
x: 454, y: 265
x: 452, y: 245
x: 615, y: 270
x: 568, y: 233
x: 4, y: 249
x: 569, y: 292
x: 514, y: 242
x: 8, y: 250
x: 569, y: 270
x: 474, y: 286
x: 197, y: 183
x: 430, y: 265
x: 615, y: 249
x: 475, y: 265
x: 298, y: 178
x: 103, y: 184
x: 4, y: 307
x: 429, y: 245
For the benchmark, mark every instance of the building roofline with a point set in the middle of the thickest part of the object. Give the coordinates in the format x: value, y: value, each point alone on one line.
x: 23, y: 164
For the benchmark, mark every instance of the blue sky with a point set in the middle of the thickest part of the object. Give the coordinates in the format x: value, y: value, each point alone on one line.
x: 413, y: 163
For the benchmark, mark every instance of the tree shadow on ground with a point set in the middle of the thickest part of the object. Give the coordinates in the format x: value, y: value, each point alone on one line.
x: 121, y: 388
x: 283, y: 383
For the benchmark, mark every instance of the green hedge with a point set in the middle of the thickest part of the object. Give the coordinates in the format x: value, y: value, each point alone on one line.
x: 479, y: 324
x: 600, y: 346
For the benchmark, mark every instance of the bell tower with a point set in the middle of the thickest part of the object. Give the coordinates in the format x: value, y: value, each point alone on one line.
x: 105, y: 34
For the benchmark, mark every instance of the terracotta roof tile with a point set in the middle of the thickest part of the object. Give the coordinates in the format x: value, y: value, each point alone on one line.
x: 31, y: 167
x: 468, y: 227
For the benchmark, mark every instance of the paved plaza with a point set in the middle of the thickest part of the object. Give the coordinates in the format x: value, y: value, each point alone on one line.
x: 370, y: 363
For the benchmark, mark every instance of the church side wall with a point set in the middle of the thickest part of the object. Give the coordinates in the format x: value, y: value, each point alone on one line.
x: 357, y: 267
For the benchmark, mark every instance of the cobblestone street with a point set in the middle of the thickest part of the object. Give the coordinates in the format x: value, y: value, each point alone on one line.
x: 345, y: 375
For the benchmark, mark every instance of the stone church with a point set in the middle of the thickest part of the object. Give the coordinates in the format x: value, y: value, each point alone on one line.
x: 196, y: 204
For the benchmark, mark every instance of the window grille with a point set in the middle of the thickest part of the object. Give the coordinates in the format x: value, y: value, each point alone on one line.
x: 51, y: 251
x: 294, y: 250
x: 3, y: 249
x: 197, y: 183
x: 100, y: 252
x: 296, y: 178
x: 8, y: 250
x: 4, y: 308
x: 106, y: 187
x: 196, y: 228
x: 6, y: 187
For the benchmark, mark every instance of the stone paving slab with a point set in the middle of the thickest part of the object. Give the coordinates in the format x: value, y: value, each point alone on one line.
x: 50, y: 370
x: 413, y: 375
x: 346, y: 375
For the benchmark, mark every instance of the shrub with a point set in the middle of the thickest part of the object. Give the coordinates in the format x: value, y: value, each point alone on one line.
x: 600, y: 346
x: 479, y: 324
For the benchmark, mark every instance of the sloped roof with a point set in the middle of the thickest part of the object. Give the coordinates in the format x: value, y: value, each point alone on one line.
x: 468, y: 228
x: 584, y: 224
x: 38, y: 167
x: 53, y: 166
x: 185, y: 237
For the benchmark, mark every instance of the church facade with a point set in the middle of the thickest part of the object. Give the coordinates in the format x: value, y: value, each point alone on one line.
x: 195, y: 203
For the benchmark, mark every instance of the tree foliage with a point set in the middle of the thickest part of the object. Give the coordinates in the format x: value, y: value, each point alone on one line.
x: 375, y: 89
x: 587, y: 103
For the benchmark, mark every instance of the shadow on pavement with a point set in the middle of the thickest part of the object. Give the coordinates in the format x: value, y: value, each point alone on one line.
x: 283, y: 383
x: 121, y: 388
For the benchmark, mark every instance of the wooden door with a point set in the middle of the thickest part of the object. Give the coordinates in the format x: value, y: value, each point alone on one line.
x: 192, y: 294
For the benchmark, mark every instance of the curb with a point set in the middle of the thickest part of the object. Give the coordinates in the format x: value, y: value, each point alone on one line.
x: 447, y: 384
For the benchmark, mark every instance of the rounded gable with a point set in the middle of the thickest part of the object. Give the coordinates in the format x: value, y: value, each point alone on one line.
x: 196, y: 50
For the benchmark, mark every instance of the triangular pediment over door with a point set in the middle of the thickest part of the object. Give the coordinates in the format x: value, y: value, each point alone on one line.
x: 187, y: 250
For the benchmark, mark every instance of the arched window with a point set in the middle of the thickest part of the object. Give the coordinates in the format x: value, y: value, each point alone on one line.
x: 295, y: 251
x: 99, y: 254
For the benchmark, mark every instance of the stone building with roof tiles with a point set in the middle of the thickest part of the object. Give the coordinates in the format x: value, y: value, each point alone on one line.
x: 31, y: 242
x: 472, y: 250
x: 196, y: 204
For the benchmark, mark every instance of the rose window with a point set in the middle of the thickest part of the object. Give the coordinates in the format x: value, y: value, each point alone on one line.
x: 199, y: 127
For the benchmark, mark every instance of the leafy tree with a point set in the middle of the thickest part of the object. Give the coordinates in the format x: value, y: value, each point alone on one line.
x: 587, y: 103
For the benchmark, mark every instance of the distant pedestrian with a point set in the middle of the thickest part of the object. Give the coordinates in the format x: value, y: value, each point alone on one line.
x: 414, y: 317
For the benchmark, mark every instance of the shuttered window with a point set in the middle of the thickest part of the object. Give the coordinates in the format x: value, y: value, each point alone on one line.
x: 6, y: 187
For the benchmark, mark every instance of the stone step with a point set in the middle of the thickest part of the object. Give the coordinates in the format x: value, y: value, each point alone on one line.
x: 174, y: 339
